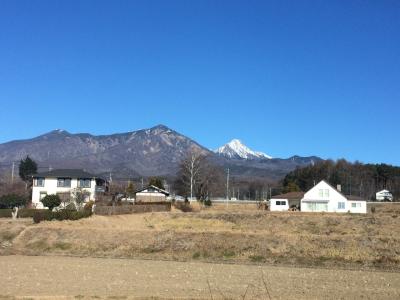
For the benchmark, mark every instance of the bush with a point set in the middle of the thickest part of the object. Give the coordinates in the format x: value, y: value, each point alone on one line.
x: 12, y: 200
x: 65, y: 214
x: 184, y: 207
x: 89, y: 205
x: 207, y: 202
x: 28, y: 212
x: 22, y: 213
x: 5, y: 213
x: 51, y: 201
x: 70, y: 206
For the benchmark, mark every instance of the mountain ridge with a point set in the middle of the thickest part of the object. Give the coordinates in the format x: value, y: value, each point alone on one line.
x: 146, y: 152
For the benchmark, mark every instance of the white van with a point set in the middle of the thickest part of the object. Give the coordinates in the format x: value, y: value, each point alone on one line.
x: 278, y: 204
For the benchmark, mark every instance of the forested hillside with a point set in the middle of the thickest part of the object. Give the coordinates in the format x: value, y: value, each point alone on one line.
x: 358, y: 179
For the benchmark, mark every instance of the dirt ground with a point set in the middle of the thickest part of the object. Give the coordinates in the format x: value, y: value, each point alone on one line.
x: 49, y: 277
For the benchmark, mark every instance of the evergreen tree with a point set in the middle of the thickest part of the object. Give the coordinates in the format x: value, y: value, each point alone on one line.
x: 157, y: 182
x: 130, y: 189
x: 27, y: 168
x: 51, y: 201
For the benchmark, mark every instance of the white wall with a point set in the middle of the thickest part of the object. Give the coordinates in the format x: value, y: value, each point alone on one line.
x: 50, y: 187
x: 274, y: 207
x: 358, y: 207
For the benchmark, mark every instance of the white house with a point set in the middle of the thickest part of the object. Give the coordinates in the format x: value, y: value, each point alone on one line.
x: 62, y: 182
x: 325, y: 198
x: 151, y: 194
x: 384, y: 195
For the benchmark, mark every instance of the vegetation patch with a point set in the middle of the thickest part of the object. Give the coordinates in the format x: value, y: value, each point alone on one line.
x: 65, y: 214
x: 257, y: 258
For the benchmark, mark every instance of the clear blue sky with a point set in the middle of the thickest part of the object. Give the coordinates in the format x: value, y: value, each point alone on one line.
x: 286, y: 77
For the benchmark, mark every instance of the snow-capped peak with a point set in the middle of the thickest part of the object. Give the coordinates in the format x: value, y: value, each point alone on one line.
x: 236, y: 149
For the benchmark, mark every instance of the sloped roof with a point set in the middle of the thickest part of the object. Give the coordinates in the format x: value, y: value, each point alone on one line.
x: 290, y: 196
x: 155, y: 188
x: 69, y: 173
x: 353, y: 197
x: 348, y: 197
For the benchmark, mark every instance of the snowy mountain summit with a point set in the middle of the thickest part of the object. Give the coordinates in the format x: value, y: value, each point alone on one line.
x: 236, y: 149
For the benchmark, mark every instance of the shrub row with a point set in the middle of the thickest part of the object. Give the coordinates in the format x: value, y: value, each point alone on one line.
x: 22, y: 213
x: 12, y: 200
x: 65, y: 214
x: 5, y: 213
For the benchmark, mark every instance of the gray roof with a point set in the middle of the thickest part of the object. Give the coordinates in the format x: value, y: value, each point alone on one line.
x: 69, y: 173
x: 152, y: 187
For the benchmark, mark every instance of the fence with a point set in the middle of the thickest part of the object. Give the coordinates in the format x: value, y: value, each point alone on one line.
x: 132, y: 209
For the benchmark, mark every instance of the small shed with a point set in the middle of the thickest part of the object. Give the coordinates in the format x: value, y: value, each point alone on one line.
x: 293, y: 198
x: 151, y: 194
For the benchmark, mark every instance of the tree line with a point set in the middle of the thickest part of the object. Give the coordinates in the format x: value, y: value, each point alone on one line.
x: 356, y: 178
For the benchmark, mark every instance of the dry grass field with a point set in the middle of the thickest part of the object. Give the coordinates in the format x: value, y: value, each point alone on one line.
x: 235, y: 235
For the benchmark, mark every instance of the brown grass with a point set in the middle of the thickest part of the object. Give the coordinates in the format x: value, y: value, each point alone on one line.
x: 371, y: 240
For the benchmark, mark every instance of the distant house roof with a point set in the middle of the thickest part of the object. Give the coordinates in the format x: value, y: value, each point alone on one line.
x: 153, y: 188
x: 290, y: 196
x: 69, y: 173
x: 383, y: 192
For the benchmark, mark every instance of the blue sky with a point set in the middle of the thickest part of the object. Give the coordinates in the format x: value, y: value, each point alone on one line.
x: 286, y: 77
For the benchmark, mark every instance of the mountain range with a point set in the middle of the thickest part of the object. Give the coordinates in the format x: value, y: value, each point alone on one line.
x: 156, y: 151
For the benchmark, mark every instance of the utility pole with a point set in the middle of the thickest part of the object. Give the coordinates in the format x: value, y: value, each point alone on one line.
x: 142, y: 182
x: 227, y: 187
x: 12, y: 173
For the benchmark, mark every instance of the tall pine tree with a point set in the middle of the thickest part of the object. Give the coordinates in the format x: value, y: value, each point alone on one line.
x: 27, y: 168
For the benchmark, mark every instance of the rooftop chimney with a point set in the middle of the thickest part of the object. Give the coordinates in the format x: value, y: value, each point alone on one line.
x: 339, y: 187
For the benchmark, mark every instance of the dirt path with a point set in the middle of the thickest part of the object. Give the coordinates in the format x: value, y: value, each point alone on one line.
x: 93, y: 278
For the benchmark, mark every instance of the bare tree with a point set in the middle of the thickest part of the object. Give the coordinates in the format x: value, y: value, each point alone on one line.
x: 189, y: 173
x: 80, y: 195
x: 198, y: 176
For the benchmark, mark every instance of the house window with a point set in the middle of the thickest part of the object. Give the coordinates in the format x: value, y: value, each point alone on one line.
x: 280, y: 202
x: 341, y: 205
x: 42, y: 195
x: 321, y: 193
x: 84, y: 183
x: 321, y: 206
x: 326, y: 193
x: 63, y: 182
x: 38, y: 182
x: 64, y: 197
x: 355, y: 205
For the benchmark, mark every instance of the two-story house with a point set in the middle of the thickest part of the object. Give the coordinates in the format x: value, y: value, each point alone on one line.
x: 62, y: 182
x: 325, y: 198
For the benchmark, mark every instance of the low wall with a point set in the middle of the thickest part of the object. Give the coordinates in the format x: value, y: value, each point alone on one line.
x: 132, y: 209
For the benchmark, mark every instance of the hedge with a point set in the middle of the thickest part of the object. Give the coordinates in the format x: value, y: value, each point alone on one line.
x: 65, y: 214
x: 22, y: 213
x: 5, y: 213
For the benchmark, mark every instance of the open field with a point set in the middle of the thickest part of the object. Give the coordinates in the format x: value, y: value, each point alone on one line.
x: 253, y: 237
x: 36, y: 277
